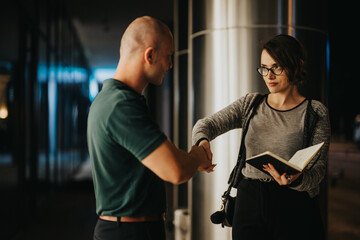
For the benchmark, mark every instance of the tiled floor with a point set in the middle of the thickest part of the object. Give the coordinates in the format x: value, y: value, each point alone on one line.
x: 344, y: 211
x: 344, y: 192
x: 70, y: 212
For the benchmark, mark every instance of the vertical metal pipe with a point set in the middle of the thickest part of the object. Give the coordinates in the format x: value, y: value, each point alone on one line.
x: 290, y: 17
x: 190, y: 110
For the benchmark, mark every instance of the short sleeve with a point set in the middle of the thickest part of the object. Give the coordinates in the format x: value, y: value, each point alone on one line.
x: 131, y: 126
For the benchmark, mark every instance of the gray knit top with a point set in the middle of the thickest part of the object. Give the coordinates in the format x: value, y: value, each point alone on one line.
x: 237, y: 115
x: 281, y: 133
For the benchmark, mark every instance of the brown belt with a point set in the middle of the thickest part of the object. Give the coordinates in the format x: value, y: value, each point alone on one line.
x: 148, y: 218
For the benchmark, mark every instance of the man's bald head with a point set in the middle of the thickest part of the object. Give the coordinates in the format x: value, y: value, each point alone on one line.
x: 142, y: 33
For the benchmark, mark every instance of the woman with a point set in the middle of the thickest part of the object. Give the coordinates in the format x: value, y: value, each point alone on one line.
x: 275, y: 206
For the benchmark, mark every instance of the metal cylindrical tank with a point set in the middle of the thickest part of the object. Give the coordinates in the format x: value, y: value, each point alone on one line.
x: 225, y: 39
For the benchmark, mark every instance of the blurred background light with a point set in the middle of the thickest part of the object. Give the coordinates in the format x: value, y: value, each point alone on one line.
x: 97, y: 77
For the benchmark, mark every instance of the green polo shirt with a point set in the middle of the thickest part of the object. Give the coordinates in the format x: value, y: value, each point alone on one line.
x: 120, y: 134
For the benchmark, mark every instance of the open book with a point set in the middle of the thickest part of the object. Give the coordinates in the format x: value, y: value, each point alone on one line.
x: 295, y: 165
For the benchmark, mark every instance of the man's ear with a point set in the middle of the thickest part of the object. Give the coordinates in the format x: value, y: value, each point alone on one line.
x: 149, y: 55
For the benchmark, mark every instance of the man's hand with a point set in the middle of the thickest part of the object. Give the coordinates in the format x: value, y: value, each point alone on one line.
x: 177, y: 166
x: 207, y: 165
x: 199, y: 153
x: 206, y: 145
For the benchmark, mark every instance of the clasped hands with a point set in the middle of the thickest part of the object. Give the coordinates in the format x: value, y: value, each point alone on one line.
x: 206, y: 165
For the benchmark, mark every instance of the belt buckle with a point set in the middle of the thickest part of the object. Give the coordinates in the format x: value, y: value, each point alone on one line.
x: 265, y: 180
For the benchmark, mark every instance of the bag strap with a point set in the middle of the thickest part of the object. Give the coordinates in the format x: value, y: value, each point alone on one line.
x: 234, y: 174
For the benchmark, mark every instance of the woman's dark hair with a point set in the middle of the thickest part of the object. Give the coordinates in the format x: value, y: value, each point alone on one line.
x: 289, y: 54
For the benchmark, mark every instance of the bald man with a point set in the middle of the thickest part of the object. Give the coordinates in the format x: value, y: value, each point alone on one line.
x: 130, y: 156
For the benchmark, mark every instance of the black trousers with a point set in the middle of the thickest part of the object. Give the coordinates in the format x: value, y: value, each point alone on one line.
x: 107, y: 230
x: 273, y: 212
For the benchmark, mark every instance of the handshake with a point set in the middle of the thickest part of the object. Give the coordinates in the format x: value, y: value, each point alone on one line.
x: 203, y: 155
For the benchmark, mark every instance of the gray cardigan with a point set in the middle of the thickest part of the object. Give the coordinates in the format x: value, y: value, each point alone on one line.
x: 238, y: 115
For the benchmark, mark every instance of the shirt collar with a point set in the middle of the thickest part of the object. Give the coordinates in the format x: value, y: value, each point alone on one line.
x: 122, y: 86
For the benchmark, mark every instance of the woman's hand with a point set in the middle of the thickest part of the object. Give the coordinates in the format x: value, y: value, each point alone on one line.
x: 283, y: 179
x: 206, y: 145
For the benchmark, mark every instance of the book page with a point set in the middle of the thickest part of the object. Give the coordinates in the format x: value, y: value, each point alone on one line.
x: 303, y: 156
x: 280, y: 164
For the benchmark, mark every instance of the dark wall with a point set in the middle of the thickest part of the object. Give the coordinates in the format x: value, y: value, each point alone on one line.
x: 43, y: 136
x: 344, y: 84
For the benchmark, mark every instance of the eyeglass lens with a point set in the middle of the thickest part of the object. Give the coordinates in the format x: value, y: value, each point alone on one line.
x: 265, y: 71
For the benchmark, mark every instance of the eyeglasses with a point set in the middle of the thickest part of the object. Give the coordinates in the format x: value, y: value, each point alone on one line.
x: 277, y: 70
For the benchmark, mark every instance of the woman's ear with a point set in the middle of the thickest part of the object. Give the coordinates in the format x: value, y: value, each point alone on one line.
x: 149, y: 55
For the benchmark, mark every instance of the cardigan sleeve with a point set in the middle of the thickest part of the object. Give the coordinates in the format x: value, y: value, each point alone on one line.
x: 315, y: 174
x: 218, y: 123
x: 228, y: 118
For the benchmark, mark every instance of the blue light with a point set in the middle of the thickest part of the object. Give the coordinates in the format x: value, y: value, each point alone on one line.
x: 97, y: 77
x: 52, y: 99
x: 93, y: 87
x: 327, y: 56
x: 64, y: 74
x: 101, y: 74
